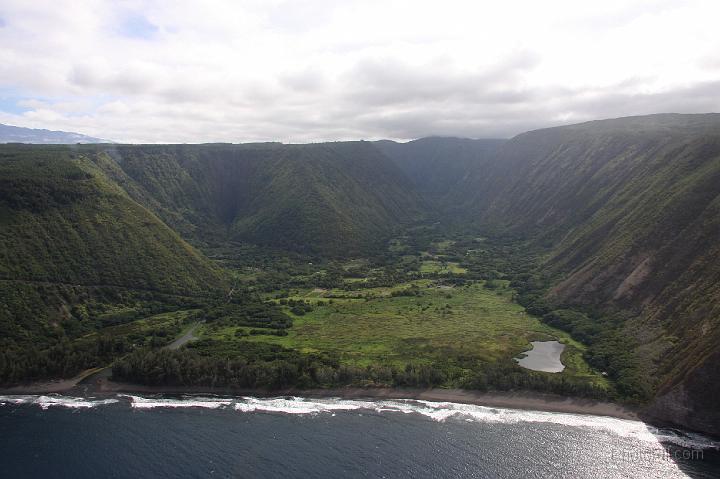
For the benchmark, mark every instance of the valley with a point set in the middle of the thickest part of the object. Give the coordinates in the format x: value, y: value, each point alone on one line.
x: 402, y: 325
x: 429, y: 264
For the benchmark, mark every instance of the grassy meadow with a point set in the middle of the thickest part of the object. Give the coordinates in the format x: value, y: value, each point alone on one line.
x: 456, y: 327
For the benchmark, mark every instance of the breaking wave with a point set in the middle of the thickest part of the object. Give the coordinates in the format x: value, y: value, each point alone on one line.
x: 139, y: 402
x: 56, y: 400
x: 437, y: 411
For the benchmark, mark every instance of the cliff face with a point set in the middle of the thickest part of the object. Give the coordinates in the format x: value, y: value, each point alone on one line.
x: 63, y: 221
x: 630, y: 211
x: 693, y: 401
x: 333, y: 198
x: 436, y: 165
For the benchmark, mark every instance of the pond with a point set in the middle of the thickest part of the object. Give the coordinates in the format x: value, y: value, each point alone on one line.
x: 544, y: 356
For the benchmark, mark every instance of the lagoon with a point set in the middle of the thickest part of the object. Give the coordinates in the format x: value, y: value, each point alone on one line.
x: 544, y: 356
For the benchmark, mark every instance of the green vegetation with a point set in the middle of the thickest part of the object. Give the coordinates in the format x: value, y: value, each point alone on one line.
x: 63, y: 221
x: 431, y: 263
x: 393, y: 323
x: 339, y: 199
x: 627, y: 212
x: 77, y: 255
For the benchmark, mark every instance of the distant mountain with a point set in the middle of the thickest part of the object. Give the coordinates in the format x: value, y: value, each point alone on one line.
x: 65, y: 209
x: 16, y: 134
x: 436, y: 165
x: 333, y: 198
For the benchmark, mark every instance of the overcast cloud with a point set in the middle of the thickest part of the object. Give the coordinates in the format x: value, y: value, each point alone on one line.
x: 313, y: 70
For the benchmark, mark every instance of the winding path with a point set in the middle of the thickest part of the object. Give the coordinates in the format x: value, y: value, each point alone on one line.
x: 185, y: 338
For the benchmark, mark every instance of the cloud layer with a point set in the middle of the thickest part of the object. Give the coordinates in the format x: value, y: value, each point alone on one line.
x: 311, y: 70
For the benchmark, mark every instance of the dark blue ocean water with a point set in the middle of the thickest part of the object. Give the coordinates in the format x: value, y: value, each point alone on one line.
x: 131, y: 437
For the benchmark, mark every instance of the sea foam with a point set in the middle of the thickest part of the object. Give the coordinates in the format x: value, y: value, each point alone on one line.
x: 139, y: 402
x: 56, y: 400
x: 297, y: 405
x: 437, y: 411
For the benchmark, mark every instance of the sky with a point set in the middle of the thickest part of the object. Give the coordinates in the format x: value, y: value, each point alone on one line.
x: 320, y: 70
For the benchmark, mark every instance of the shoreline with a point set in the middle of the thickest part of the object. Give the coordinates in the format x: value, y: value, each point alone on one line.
x: 52, y: 386
x: 506, y: 400
x: 84, y: 384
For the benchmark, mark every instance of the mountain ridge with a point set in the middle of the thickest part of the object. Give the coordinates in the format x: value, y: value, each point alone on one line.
x: 302, y: 197
x: 18, y: 134
x: 628, y: 212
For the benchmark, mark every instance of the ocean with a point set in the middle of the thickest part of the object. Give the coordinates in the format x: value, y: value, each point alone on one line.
x: 132, y: 436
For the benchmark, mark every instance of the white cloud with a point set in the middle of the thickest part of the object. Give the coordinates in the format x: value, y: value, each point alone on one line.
x: 225, y: 70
